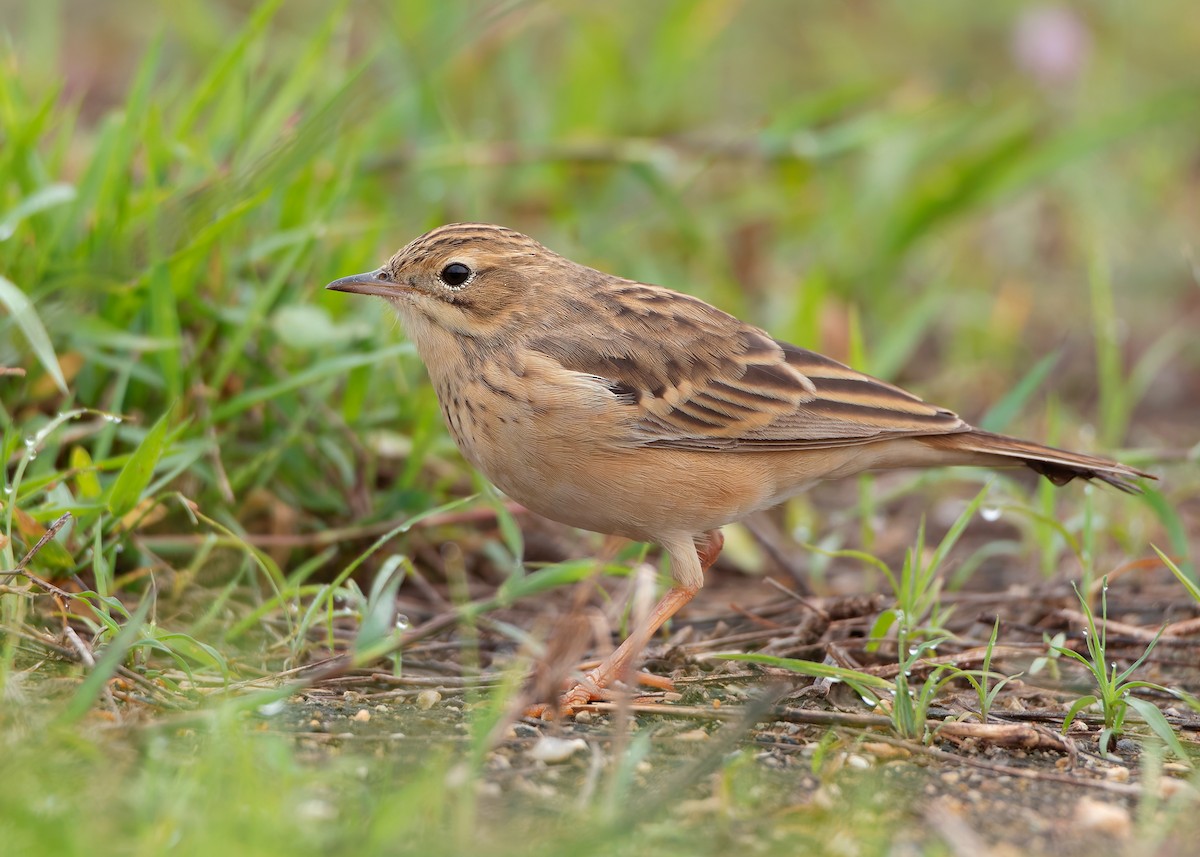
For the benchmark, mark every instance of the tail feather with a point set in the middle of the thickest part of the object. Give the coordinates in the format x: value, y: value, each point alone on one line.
x: 1058, y: 465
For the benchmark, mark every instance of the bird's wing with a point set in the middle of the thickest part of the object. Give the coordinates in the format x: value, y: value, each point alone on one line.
x: 701, y: 379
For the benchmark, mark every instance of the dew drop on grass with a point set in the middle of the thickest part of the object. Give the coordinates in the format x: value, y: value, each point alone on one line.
x: 989, y: 513
x: 8, y: 489
x: 402, y: 623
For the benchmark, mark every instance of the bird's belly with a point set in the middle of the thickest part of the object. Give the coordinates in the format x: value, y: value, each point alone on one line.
x: 642, y: 494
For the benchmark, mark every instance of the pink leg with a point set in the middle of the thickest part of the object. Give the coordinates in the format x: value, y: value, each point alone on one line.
x: 617, y: 664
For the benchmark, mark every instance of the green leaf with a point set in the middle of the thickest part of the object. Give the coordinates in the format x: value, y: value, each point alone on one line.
x: 1001, y: 414
x: 1158, y: 724
x: 38, y: 201
x: 86, y: 481
x: 21, y: 309
x: 135, y: 475
x: 1188, y: 584
x: 378, y: 626
x: 880, y: 629
x: 1078, y: 706
x: 1169, y: 517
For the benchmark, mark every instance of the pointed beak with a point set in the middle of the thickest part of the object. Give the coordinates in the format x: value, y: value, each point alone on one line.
x: 370, y: 283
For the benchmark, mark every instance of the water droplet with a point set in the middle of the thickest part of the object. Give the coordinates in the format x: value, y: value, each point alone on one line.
x: 30, y: 442
x: 402, y: 623
x: 8, y: 489
x: 990, y: 513
x: 112, y: 418
x: 119, y: 548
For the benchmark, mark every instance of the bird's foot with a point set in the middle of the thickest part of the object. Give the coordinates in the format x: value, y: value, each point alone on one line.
x: 589, y: 690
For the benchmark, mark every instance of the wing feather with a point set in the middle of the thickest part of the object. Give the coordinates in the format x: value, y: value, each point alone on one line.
x: 698, y: 378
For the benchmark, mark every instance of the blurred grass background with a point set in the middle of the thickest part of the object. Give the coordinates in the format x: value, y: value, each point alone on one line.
x: 956, y: 197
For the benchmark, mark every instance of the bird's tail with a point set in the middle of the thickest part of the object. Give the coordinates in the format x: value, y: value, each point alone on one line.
x: 1057, y: 465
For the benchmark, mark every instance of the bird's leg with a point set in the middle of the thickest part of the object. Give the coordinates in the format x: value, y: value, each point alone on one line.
x: 707, y: 553
x: 617, y: 664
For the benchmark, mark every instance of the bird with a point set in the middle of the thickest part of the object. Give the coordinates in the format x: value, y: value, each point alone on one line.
x: 634, y: 410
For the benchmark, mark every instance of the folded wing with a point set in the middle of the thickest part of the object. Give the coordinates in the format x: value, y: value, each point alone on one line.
x: 721, y: 384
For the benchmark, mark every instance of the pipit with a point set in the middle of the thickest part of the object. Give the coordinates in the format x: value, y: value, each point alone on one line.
x: 634, y: 410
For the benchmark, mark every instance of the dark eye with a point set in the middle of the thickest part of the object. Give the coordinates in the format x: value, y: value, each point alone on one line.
x: 455, y: 274
x: 382, y: 275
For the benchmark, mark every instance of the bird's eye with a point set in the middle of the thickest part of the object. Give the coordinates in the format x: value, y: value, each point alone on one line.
x: 455, y: 274
x: 383, y: 275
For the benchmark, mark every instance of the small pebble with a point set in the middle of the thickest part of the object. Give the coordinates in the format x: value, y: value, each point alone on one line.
x: 1107, y: 818
x: 458, y: 776
x: 692, y: 735
x: 551, y: 750
x: 585, y: 717
x: 496, y: 762
x: 272, y: 708
x: 427, y: 699
x: 361, y: 716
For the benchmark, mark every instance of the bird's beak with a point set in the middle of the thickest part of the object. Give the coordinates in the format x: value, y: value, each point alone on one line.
x: 369, y: 283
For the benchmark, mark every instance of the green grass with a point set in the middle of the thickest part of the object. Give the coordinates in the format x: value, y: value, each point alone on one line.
x: 881, y: 182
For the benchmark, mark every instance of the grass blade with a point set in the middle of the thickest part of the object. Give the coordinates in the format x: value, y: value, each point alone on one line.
x: 107, y: 664
x: 1001, y: 414
x: 21, y: 309
x: 135, y: 475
